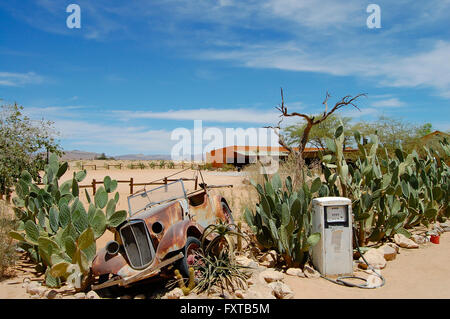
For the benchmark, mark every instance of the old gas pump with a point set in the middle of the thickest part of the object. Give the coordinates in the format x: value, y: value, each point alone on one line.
x: 332, y: 218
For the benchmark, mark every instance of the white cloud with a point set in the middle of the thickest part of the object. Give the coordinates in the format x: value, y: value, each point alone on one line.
x: 19, y: 79
x: 241, y: 115
x: 128, y: 138
x: 312, y: 13
x: 392, y: 102
x: 429, y: 69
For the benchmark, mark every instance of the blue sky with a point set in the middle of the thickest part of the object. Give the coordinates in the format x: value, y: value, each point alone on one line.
x: 136, y: 70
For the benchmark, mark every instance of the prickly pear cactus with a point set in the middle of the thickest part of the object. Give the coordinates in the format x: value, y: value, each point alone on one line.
x: 390, y: 193
x: 56, y: 230
x: 282, y: 220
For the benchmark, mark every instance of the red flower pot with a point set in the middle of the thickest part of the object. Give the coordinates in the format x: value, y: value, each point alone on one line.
x: 434, y: 239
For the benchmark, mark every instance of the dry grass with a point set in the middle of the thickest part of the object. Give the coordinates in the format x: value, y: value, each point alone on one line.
x: 8, y: 254
x: 239, y: 198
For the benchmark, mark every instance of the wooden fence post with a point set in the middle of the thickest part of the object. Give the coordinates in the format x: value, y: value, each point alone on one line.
x: 196, y: 181
x: 131, y: 185
x: 93, y: 186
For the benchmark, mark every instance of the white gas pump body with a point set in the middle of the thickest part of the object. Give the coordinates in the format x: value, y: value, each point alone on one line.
x: 332, y: 218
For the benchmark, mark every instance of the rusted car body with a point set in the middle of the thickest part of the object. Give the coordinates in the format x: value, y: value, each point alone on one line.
x: 154, y: 237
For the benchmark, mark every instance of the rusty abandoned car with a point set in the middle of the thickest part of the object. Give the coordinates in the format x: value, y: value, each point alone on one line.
x: 161, y: 234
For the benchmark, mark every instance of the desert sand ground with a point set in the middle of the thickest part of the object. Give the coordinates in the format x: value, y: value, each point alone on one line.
x: 417, y: 273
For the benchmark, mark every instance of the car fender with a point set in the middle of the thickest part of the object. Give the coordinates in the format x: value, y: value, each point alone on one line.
x: 217, y: 203
x: 175, y: 237
x: 105, y: 263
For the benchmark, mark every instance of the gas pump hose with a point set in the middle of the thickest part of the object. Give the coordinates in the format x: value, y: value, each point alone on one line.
x: 340, y: 280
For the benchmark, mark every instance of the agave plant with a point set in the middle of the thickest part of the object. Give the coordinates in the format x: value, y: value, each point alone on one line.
x: 223, y: 241
x: 54, y: 227
x: 220, y: 271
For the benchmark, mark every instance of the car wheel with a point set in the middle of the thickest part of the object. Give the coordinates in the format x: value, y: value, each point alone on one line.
x: 227, y: 212
x: 190, y: 257
x: 108, y: 292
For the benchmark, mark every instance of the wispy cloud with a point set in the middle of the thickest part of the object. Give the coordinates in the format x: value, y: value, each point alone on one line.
x: 430, y: 68
x: 241, y: 115
x: 392, y: 102
x: 425, y: 69
x: 126, y: 138
x: 20, y: 79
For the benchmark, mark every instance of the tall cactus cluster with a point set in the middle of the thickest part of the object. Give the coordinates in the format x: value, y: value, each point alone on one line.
x: 282, y: 219
x: 54, y: 227
x: 390, y: 193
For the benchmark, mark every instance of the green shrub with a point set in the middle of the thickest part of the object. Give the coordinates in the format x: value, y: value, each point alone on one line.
x: 227, y: 167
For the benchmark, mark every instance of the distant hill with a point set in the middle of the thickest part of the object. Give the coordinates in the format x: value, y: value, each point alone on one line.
x: 82, y: 155
x: 79, y: 155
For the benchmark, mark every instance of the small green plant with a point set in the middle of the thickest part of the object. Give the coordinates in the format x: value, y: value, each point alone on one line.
x: 54, y: 227
x: 227, y: 167
x: 162, y: 163
x: 152, y: 165
x: 219, y: 271
x: 181, y: 283
x: 224, y: 239
x: 170, y: 165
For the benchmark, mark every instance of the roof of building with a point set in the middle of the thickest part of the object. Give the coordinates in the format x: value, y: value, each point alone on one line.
x: 433, y: 134
x: 265, y: 150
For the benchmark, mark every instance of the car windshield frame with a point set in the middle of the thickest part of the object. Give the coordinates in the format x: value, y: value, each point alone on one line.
x: 145, y: 193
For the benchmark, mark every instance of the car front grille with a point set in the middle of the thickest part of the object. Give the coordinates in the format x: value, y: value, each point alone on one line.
x: 137, y: 243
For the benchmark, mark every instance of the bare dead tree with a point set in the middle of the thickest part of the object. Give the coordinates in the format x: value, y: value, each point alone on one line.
x: 310, y: 120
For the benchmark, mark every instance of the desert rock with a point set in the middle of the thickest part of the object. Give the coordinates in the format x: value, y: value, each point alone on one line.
x: 281, y: 290
x: 375, y: 258
x: 419, y: 239
x: 374, y: 281
x: 246, y: 262
x: 270, y: 275
x: 295, y: 272
x: 389, y: 253
x: 80, y: 295
x: 174, y: 294
x: 310, y: 272
x: 404, y: 242
x: 92, y: 295
x: 51, y: 294
x: 269, y: 259
x: 35, y: 289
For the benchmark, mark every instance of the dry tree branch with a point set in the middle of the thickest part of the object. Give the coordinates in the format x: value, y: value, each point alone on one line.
x: 311, y: 120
